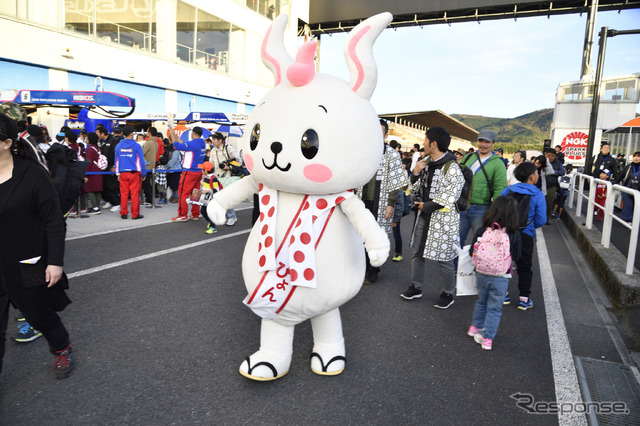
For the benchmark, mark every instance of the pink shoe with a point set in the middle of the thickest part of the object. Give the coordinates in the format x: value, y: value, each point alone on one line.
x: 179, y: 219
x: 473, y: 331
x: 484, y: 342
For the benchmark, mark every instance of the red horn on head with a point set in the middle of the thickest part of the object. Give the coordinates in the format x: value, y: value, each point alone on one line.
x: 304, y: 69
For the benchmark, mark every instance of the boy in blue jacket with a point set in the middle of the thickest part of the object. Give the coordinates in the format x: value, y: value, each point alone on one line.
x: 527, y: 174
x: 131, y: 171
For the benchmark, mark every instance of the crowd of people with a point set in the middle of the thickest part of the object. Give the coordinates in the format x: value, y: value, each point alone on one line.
x: 44, y: 179
x: 458, y: 199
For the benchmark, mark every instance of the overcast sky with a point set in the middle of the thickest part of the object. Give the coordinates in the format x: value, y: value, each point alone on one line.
x: 501, y: 68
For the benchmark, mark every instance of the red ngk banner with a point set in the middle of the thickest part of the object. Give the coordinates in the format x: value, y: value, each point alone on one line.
x: 574, y: 145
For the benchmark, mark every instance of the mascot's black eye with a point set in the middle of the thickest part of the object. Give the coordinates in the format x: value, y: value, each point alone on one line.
x: 309, y: 144
x: 255, y: 137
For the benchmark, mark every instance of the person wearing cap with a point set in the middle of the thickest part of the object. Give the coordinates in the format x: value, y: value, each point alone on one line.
x: 604, y: 160
x: 210, y: 185
x: 221, y: 153
x: 489, y: 180
x: 131, y: 171
x: 32, y: 253
x: 194, y: 151
x: 601, y: 194
x: 459, y: 154
x: 500, y: 153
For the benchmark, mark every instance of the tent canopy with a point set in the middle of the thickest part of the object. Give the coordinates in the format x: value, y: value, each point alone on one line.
x: 435, y: 118
x: 631, y: 126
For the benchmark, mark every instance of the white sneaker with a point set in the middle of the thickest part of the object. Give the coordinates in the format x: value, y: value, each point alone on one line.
x: 115, y: 208
x: 107, y: 205
x: 232, y: 221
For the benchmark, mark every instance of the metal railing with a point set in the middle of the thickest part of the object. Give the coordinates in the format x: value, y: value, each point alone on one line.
x: 608, y: 211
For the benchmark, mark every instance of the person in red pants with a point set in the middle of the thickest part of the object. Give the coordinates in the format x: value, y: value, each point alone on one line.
x: 131, y: 170
x: 601, y: 195
x: 193, y: 155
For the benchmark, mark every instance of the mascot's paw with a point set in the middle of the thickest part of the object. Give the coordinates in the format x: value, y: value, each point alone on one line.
x: 378, y: 257
x: 328, y: 360
x: 170, y: 123
x: 216, y: 212
x: 264, y: 367
x: 377, y: 246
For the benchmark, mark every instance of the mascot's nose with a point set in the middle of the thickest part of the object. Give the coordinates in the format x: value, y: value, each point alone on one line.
x: 276, y: 147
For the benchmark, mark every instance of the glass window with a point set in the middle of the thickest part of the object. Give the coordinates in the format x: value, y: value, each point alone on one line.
x: 624, y: 90
x: 269, y: 8
x: 128, y: 22
x: 185, y: 31
x: 212, y: 43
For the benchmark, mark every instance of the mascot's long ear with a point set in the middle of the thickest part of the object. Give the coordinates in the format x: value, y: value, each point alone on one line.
x: 358, y: 52
x: 274, y: 55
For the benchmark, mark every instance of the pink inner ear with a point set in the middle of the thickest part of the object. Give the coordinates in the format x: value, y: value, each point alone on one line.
x: 267, y: 57
x: 304, y: 69
x: 354, y: 57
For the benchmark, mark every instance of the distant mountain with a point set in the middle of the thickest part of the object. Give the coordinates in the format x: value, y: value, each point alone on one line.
x: 531, y: 128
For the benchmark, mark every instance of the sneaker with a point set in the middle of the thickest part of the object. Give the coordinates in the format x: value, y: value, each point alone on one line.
x: 231, y: 221
x: 146, y: 204
x: 523, y: 305
x: 484, y: 342
x: 397, y: 258
x: 371, y: 276
x: 123, y: 216
x: 411, y: 293
x: 210, y: 230
x: 445, y: 301
x: 180, y: 219
x: 115, y: 209
x: 138, y: 217
x: 26, y: 333
x: 95, y: 210
x: 194, y: 217
x: 63, y: 365
x: 82, y: 211
x: 507, y: 300
x: 107, y: 205
x: 553, y: 215
x: 473, y: 331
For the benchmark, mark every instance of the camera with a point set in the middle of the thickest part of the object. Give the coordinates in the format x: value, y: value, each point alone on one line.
x: 415, y: 198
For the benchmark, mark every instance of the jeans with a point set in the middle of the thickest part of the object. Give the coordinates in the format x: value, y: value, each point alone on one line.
x: 627, y: 207
x: 231, y: 213
x: 488, y: 310
x: 471, y: 220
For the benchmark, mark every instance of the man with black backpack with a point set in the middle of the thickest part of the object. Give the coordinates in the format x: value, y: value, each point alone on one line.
x: 489, y: 180
x: 532, y: 214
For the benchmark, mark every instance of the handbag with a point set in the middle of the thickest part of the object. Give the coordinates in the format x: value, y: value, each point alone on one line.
x: 102, y: 162
x: 466, y: 275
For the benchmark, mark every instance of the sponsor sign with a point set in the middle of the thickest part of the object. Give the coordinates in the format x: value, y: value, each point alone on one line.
x: 72, y: 97
x: 574, y: 145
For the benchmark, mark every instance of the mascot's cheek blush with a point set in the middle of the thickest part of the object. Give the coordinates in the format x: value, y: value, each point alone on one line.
x: 248, y: 161
x: 317, y: 173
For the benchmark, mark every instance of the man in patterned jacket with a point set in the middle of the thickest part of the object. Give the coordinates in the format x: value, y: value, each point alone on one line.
x: 381, y: 193
x: 436, y: 237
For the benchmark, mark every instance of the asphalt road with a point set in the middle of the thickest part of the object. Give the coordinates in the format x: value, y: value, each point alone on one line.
x: 159, y: 340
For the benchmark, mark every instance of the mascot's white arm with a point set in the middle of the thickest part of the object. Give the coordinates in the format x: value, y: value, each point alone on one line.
x: 230, y: 196
x: 375, y: 239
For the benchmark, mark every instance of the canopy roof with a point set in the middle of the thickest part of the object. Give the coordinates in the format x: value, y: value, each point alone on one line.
x: 435, y: 118
x: 631, y: 126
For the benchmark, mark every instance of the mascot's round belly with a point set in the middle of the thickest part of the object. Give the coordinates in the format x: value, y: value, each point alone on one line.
x: 340, y: 264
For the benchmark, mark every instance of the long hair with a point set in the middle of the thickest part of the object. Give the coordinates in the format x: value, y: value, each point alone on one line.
x: 504, y: 212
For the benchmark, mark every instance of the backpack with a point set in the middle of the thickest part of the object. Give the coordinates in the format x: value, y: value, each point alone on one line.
x: 67, y: 174
x: 492, y: 252
x: 464, y: 201
x: 522, y: 206
x: 102, y: 162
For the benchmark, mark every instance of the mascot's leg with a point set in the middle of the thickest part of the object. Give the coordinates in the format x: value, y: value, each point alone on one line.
x: 328, y: 357
x: 274, y: 357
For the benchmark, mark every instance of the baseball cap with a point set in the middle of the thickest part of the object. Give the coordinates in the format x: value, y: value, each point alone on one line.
x: 207, y: 165
x: 487, y: 135
x: 127, y: 130
x: 499, y: 150
x: 606, y: 171
x: 14, y: 111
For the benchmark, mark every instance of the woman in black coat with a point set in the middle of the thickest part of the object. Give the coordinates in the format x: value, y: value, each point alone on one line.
x: 31, y: 247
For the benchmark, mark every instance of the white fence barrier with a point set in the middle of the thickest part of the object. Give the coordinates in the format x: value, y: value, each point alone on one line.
x: 609, y: 217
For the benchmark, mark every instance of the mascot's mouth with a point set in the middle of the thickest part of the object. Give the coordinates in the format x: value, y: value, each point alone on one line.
x: 275, y: 164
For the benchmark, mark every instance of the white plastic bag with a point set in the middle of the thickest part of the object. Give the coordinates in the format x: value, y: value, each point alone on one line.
x: 466, y: 275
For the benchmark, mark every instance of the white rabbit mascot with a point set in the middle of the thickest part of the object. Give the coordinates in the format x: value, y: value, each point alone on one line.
x: 313, y: 139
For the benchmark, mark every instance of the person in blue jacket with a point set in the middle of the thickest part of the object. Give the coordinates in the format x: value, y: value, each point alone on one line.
x: 527, y: 174
x: 131, y: 171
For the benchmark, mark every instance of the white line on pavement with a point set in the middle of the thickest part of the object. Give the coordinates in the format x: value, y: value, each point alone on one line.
x: 155, y: 254
x: 564, y: 370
